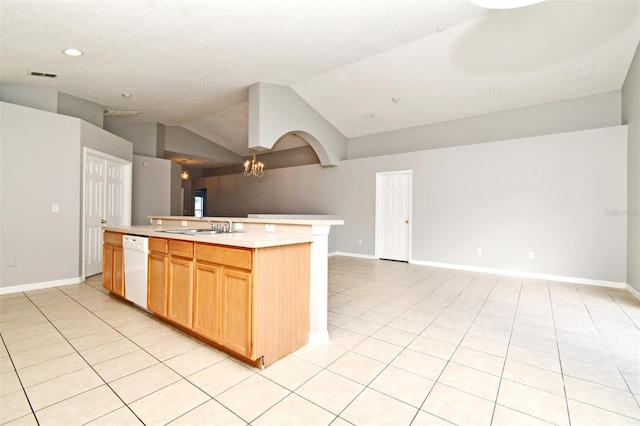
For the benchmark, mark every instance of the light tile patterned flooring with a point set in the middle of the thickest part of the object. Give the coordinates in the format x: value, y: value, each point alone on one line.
x: 409, y: 345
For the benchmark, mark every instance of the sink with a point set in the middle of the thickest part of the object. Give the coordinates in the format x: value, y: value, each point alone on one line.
x: 199, y: 231
x: 191, y: 231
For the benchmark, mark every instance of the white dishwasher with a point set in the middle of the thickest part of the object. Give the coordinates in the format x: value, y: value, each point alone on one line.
x: 136, y: 250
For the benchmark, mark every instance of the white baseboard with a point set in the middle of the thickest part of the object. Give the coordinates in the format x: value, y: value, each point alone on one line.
x: 510, y: 273
x: 633, y: 291
x: 523, y: 274
x: 361, y: 256
x: 39, y: 286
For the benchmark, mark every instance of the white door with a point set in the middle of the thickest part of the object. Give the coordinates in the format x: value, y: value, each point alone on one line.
x: 393, y: 215
x: 105, y: 202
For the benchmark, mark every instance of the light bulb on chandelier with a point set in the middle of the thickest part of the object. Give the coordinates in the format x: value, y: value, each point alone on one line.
x: 253, y: 167
x: 184, y: 175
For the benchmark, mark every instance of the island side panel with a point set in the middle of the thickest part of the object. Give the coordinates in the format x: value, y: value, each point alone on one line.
x: 281, y: 322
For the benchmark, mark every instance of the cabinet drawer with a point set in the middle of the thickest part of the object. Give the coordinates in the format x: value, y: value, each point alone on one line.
x: 158, y: 245
x: 181, y: 248
x: 114, y: 238
x: 221, y: 255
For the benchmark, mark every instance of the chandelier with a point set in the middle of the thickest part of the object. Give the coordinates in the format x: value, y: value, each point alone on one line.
x: 184, y: 175
x: 253, y: 167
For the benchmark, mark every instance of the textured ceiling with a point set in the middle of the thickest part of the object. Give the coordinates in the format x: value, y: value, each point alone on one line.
x: 190, y: 62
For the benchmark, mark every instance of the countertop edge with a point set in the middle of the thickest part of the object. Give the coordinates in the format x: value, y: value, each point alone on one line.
x: 244, y: 239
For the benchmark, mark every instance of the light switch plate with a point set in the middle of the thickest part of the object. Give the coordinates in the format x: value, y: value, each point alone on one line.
x: 271, y: 228
x: 184, y: 223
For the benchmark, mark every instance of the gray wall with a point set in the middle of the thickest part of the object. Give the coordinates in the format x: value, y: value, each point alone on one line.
x: 41, y: 165
x: 545, y: 194
x: 32, y: 97
x: 589, y: 112
x: 152, y: 188
x: 147, y: 138
x: 180, y: 140
x: 53, y: 101
x: 88, y: 111
x: 631, y: 117
x: 276, y: 110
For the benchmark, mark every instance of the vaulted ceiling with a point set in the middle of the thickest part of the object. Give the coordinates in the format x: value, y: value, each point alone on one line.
x: 367, y: 66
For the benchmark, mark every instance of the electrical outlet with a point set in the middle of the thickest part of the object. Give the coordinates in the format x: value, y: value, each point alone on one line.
x: 271, y: 228
x: 359, y: 241
x: 159, y: 221
x: 55, y: 208
x: 239, y: 226
x: 184, y: 223
x: 530, y: 255
x: 479, y: 250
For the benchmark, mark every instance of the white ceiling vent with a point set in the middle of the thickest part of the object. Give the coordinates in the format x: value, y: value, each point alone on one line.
x: 119, y: 113
x: 43, y: 74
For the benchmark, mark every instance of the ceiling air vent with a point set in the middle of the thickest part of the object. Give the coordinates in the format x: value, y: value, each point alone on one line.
x: 43, y: 74
x: 119, y: 113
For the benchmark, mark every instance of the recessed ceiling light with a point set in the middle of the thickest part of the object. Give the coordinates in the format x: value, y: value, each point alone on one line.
x: 441, y: 28
x: 72, y: 52
x: 395, y: 100
x: 504, y: 4
x: 126, y: 95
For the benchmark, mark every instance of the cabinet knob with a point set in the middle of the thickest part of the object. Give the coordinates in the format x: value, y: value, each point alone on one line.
x: 406, y: 221
x: 103, y: 221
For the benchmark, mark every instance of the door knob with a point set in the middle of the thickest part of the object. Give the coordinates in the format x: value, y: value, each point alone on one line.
x: 406, y: 221
x: 103, y: 221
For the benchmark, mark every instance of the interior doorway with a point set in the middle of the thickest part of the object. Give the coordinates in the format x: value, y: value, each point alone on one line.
x: 106, y: 200
x: 200, y: 203
x: 393, y: 215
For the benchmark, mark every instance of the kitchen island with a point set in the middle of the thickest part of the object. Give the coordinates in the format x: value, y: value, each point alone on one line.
x: 259, y: 292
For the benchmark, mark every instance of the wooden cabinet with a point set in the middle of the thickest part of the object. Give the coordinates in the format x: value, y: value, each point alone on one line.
x: 158, y: 276
x: 113, y: 263
x: 223, y: 306
x: 206, y: 301
x: 180, y: 293
x: 250, y: 302
x: 236, y: 308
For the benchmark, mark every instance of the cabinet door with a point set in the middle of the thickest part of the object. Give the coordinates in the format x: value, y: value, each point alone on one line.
x: 206, y: 301
x: 157, y: 284
x: 107, y: 266
x: 237, y: 311
x: 118, y: 271
x: 180, y: 307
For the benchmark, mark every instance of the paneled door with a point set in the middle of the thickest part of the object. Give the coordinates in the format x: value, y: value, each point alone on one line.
x: 393, y: 215
x: 105, y: 202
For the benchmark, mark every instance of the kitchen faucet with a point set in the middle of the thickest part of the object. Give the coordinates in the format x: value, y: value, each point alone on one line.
x: 229, y: 225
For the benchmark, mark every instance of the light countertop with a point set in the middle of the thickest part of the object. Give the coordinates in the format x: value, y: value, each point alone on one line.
x: 248, y: 239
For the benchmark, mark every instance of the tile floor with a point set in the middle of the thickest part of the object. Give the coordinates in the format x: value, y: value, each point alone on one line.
x: 409, y: 345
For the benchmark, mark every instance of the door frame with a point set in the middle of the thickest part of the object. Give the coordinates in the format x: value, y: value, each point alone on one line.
x: 379, y: 210
x: 126, y: 194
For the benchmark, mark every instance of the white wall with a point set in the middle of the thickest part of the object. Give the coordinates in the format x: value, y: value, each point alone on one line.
x: 546, y: 194
x: 631, y: 116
